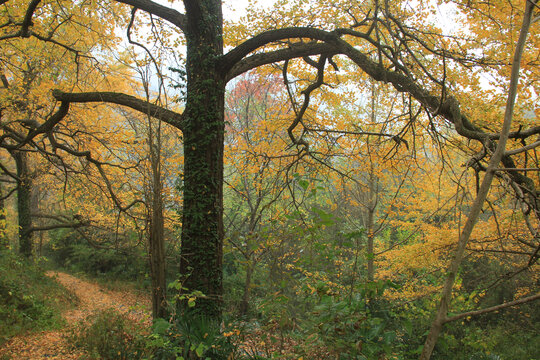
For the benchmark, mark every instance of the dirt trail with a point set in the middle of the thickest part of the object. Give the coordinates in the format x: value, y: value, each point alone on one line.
x: 92, y: 298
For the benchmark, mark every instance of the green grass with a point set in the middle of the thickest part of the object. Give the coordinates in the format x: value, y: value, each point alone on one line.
x: 29, y: 300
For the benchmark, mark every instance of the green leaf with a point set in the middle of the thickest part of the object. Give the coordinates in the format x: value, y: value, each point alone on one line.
x: 389, y: 337
x: 160, y: 326
x: 407, y: 324
x: 304, y: 184
x: 200, y: 350
x: 325, y: 218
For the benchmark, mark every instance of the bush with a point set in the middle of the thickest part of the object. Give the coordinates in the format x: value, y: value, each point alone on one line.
x: 29, y: 300
x: 351, y: 329
x: 192, y: 337
x: 110, y: 335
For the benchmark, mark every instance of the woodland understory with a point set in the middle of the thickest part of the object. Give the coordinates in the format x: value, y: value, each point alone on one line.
x: 305, y: 179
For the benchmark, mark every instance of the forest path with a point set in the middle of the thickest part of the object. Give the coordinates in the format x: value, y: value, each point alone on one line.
x: 92, y: 298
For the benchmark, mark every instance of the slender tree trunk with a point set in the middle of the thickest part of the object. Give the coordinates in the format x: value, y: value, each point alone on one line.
x: 244, y: 305
x: 24, y: 198
x: 156, y: 238
x: 372, y: 203
x: 370, y: 252
x: 203, y: 129
x: 372, y: 200
x: 34, y: 206
x: 4, y: 243
x: 157, y: 258
x: 442, y: 313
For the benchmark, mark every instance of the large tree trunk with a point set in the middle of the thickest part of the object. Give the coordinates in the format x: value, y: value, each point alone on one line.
x: 203, y: 128
x: 24, y: 198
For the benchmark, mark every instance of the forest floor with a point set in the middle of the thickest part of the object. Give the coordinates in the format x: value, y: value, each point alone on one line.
x: 91, y: 298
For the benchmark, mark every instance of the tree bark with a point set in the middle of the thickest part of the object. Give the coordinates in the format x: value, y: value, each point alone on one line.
x: 24, y: 198
x: 203, y: 130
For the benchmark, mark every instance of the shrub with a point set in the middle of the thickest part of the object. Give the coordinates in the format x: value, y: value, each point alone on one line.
x: 192, y: 337
x: 70, y: 251
x: 110, y: 335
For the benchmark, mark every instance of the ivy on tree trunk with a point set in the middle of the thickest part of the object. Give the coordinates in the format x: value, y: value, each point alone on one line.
x: 203, y: 129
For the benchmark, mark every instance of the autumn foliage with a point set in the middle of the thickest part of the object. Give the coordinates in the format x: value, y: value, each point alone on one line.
x: 314, y: 179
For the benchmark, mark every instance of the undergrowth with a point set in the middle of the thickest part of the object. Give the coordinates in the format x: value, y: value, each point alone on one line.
x: 29, y: 300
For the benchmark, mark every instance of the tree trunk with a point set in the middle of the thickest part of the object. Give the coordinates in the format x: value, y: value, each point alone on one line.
x: 4, y: 243
x: 372, y: 204
x: 157, y: 259
x: 372, y: 196
x: 203, y: 128
x: 34, y: 206
x: 244, y: 305
x: 156, y: 238
x: 24, y: 198
x: 370, y: 256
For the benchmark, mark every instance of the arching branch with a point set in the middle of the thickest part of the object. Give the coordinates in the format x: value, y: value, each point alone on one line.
x: 238, y: 53
x: 158, y: 112
x: 166, y: 13
x: 299, y: 50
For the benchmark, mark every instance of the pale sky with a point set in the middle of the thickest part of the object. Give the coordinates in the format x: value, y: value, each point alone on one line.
x: 235, y: 9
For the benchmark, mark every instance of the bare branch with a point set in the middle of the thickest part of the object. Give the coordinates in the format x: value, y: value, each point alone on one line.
x: 492, y: 309
x: 307, y: 96
x: 56, y: 226
x: 522, y: 149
